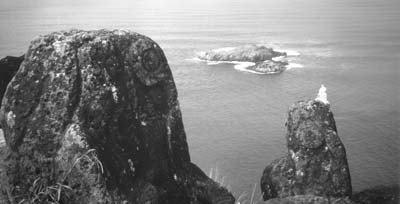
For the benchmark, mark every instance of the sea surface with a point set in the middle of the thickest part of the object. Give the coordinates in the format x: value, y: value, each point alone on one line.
x: 234, y: 120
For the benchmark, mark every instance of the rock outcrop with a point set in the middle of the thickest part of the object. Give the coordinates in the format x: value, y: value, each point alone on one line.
x: 269, y: 67
x: 93, y: 117
x: 246, y: 53
x: 8, y: 67
x: 261, y: 56
x: 316, y: 162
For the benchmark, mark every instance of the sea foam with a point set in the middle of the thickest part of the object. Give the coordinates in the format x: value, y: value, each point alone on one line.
x: 293, y: 66
x: 224, y: 49
x: 289, y: 53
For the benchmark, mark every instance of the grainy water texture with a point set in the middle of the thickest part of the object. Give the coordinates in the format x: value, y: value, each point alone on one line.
x: 235, y: 120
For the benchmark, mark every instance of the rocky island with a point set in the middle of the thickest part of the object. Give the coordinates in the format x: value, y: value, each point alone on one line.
x: 263, y: 60
x: 93, y: 117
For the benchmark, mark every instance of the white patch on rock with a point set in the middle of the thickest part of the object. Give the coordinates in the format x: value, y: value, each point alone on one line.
x: 169, y: 133
x: 294, y: 156
x: 59, y: 75
x: 143, y: 123
x: 11, y: 119
x: 131, y: 166
x: 73, y: 136
x: 114, y: 93
x: 327, y: 167
x: 168, y: 130
x: 59, y: 46
x: 73, y: 139
x: 299, y: 172
x: 2, y: 140
x: 322, y: 96
x: 175, y: 177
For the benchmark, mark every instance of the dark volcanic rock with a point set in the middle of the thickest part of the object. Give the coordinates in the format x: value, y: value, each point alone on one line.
x: 246, y: 53
x: 316, y: 163
x: 95, y: 116
x: 308, y: 199
x: 269, y: 67
x: 8, y: 67
x: 378, y: 195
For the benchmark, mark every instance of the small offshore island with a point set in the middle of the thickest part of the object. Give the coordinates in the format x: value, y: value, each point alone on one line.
x: 93, y: 117
x: 260, y: 59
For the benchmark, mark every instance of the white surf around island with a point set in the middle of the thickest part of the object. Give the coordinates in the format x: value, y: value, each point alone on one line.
x: 289, y: 53
x: 244, y: 65
x: 292, y: 65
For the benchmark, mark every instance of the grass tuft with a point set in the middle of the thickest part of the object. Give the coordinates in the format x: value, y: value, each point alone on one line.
x: 43, y: 193
x: 244, y: 197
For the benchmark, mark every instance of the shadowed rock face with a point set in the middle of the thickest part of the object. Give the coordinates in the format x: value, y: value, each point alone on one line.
x: 97, y: 111
x: 246, y: 53
x: 8, y: 67
x: 378, y: 195
x: 316, y: 163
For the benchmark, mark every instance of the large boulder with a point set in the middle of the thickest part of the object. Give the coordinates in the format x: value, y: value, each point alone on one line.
x: 316, y: 162
x: 246, y: 53
x: 8, y: 67
x: 93, y: 117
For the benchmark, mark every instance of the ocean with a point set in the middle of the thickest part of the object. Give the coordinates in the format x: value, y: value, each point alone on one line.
x: 235, y: 120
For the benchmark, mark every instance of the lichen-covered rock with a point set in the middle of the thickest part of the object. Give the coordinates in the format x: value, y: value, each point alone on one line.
x: 378, y: 195
x: 246, y: 53
x: 316, y: 163
x: 308, y: 199
x: 8, y: 67
x: 93, y: 117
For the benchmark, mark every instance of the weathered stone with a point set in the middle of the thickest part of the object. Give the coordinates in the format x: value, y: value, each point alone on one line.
x: 8, y: 67
x: 95, y: 114
x: 316, y: 163
x: 308, y: 199
x: 246, y: 53
x: 378, y: 195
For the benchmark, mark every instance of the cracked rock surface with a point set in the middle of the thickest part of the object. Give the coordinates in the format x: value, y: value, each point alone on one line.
x: 95, y: 114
